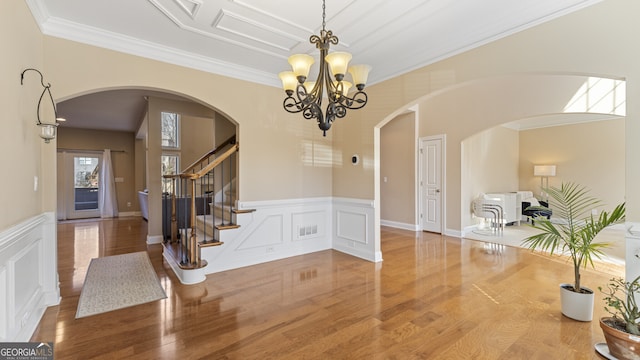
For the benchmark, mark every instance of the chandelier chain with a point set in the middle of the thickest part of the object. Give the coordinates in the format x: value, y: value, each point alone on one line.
x: 324, y: 22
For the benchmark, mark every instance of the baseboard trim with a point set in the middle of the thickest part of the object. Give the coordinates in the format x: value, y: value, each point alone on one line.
x: 399, y: 225
x: 154, y: 239
x: 130, y: 214
x: 453, y: 233
x: 186, y: 276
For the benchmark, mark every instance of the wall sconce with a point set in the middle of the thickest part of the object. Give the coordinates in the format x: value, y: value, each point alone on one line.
x: 47, y: 130
x: 544, y: 171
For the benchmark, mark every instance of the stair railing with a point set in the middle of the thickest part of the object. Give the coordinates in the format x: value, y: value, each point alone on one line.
x: 193, y: 196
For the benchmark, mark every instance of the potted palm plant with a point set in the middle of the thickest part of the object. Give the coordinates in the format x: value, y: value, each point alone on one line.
x: 621, y: 331
x: 572, y: 232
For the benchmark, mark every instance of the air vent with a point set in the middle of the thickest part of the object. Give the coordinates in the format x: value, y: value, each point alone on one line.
x: 307, y: 231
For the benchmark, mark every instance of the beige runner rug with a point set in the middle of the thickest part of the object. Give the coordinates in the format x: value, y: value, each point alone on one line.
x: 116, y: 282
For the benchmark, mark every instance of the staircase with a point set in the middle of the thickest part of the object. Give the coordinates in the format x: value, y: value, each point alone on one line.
x: 201, y: 206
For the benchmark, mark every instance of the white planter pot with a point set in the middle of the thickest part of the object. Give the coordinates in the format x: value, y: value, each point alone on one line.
x: 577, y: 306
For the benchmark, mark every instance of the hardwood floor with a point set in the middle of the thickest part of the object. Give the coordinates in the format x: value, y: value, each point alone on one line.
x: 433, y: 297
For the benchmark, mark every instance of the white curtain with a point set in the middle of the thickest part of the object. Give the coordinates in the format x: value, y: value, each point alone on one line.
x: 107, y: 190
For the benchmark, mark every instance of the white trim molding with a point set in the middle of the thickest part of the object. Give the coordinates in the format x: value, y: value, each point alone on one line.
x: 276, y: 230
x: 154, y: 239
x: 280, y: 229
x: 399, y: 225
x: 632, y: 250
x: 28, y: 276
x: 354, y: 228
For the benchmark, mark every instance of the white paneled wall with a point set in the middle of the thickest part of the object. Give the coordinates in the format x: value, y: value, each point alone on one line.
x: 275, y: 230
x: 632, y: 251
x: 354, y: 228
x: 284, y: 228
x: 28, y: 276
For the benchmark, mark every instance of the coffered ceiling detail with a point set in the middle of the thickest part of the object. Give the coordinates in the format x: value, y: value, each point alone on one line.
x: 251, y: 39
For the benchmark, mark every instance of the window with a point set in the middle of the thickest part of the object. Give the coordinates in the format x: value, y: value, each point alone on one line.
x: 600, y: 95
x: 170, y: 166
x: 86, y: 172
x: 84, y: 161
x: 170, y: 163
x: 170, y: 130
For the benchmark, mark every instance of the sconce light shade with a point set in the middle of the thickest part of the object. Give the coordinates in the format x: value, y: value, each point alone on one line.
x: 48, y: 131
x: 544, y: 170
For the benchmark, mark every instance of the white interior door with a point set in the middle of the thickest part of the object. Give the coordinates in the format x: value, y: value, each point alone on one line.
x: 81, y: 184
x: 431, y: 184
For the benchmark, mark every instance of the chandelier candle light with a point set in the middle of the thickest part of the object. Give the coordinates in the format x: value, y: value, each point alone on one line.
x: 306, y: 97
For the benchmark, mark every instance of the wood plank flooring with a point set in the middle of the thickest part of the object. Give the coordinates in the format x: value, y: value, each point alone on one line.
x: 433, y: 297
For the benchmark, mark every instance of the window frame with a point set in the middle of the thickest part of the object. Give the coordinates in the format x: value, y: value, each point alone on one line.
x: 176, y: 131
x: 166, y: 184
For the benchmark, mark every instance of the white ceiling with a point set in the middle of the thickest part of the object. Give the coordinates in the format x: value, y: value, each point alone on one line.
x: 251, y: 39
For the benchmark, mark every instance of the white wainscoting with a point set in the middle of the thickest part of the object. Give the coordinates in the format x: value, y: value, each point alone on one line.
x: 632, y: 250
x: 354, y: 228
x: 28, y: 276
x: 275, y: 230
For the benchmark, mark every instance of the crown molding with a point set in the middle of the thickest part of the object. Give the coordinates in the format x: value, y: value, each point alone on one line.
x: 113, y: 41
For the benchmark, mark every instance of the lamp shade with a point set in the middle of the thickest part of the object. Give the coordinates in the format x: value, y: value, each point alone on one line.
x: 544, y: 170
x: 342, y: 87
x: 301, y: 64
x: 308, y: 85
x: 338, y: 62
x: 289, y: 81
x: 359, y: 74
x: 48, y: 131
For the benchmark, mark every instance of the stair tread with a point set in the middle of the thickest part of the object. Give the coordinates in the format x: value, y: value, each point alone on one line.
x: 210, y: 243
x: 243, y: 211
x: 208, y: 220
x: 227, y: 227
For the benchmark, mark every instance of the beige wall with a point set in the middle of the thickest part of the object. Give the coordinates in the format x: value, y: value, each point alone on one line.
x: 23, y: 155
x: 196, y: 138
x: 501, y: 82
x: 225, y: 128
x: 122, y: 158
x: 479, y: 89
x: 398, y: 166
x: 591, y: 154
x: 489, y: 164
x: 270, y: 138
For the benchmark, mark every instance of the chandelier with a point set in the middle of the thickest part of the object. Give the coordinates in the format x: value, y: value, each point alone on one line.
x: 306, y: 96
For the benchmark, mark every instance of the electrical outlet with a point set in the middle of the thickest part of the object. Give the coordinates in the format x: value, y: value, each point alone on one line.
x: 128, y: 203
x: 270, y: 249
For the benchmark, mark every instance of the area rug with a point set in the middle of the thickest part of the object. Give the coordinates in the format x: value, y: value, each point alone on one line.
x: 116, y: 282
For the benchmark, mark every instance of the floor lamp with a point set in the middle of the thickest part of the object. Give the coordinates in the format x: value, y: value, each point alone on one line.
x: 544, y: 171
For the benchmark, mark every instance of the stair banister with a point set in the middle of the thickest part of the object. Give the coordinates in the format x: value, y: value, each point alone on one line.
x: 200, y: 173
x: 203, y: 158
